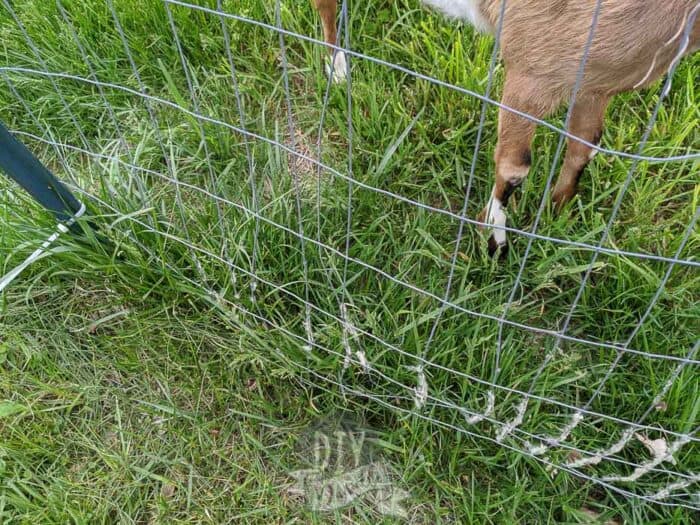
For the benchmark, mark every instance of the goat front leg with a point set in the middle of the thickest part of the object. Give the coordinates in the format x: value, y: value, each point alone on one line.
x: 513, y: 156
x: 328, y: 9
x: 586, y: 123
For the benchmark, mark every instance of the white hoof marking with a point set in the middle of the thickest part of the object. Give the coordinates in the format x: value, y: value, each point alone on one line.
x: 340, y: 67
x: 497, y: 217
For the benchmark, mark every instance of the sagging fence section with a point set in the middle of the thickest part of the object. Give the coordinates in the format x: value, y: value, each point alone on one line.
x: 337, y: 218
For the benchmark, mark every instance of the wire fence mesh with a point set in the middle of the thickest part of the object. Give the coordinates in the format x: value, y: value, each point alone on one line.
x: 291, y: 203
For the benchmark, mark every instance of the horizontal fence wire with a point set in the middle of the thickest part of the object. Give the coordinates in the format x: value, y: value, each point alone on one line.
x: 381, y: 191
x: 538, y: 413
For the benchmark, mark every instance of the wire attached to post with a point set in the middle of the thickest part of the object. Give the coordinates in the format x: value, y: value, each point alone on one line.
x: 22, y: 166
x: 61, y: 227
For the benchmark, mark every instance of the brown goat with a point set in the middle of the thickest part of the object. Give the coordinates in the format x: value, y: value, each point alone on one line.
x: 327, y: 9
x: 542, y: 46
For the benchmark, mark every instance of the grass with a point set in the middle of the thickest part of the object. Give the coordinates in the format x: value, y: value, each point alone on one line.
x: 141, y: 384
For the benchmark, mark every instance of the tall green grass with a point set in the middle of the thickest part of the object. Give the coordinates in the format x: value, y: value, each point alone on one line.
x: 152, y: 388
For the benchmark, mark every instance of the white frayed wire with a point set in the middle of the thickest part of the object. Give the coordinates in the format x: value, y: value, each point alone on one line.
x: 490, y: 405
x: 629, y: 432
x: 537, y: 450
x: 346, y: 342
x: 661, y: 451
x: 309, y: 334
x: 36, y: 254
x: 514, y: 423
x: 672, y: 487
x: 550, y: 442
x: 420, y: 392
x: 349, y: 332
x: 600, y: 456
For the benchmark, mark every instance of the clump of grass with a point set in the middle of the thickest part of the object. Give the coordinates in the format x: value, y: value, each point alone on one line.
x: 149, y: 386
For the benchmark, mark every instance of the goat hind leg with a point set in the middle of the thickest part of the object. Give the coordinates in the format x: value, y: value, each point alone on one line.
x: 586, y: 123
x: 513, y: 155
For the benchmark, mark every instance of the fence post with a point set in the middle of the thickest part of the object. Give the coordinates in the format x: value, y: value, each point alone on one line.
x: 23, y: 167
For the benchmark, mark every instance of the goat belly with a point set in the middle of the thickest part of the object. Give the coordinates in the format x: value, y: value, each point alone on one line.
x: 467, y: 10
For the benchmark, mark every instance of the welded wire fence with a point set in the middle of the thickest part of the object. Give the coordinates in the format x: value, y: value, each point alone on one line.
x: 269, y: 222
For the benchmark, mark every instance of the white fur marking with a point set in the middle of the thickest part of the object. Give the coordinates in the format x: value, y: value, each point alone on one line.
x: 340, y: 68
x: 464, y: 9
x: 497, y: 217
x: 649, y: 72
x: 669, y: 42
x: 592, y: 154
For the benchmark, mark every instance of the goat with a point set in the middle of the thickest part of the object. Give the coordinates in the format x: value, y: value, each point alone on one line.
x: 327, y: 10
x: 542, y: 46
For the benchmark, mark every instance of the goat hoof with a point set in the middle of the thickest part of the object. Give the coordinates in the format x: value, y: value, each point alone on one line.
x: 494, y: 247
x: 560, y: 199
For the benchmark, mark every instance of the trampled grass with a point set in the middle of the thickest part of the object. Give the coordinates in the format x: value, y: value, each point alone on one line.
x: 140, y: 383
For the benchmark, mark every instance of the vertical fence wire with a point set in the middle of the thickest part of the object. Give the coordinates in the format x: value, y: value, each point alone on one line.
x: 167, y: 158
x: 522, y: 407
x: 113, y: 118
x: 202, y: 136
x: 294, y: 176
x: 386, y: 386
x: 248, y: 153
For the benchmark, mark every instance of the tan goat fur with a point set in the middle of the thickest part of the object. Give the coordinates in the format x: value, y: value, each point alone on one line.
x: 542, y: 46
